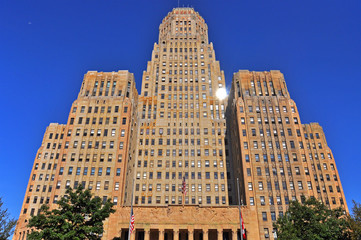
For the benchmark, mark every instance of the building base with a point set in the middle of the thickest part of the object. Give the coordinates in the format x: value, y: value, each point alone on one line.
x: 179, y: 222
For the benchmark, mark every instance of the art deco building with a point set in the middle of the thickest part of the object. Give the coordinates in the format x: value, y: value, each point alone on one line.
x: 92, y: 149
x: 181, y: 121
x: 277, y: 158
x: 180, y: 127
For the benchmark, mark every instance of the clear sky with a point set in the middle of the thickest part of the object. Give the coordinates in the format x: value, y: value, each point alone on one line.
x: 47, y: 46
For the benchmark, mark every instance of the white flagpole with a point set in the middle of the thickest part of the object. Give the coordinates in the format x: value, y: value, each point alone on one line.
x: 131, y: 210
x: 239, y: 208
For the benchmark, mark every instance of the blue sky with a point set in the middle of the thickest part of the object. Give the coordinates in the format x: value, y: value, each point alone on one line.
x: 47, y: 46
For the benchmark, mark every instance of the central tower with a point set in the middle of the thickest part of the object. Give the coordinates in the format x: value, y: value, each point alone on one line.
x: 181, y: 121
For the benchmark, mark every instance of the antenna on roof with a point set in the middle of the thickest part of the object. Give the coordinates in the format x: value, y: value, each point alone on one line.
x: 178, y: 3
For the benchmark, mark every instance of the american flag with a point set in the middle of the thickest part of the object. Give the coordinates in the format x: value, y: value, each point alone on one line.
x: 184, y: 186
x: 131, y: 223
x: 243, y: 230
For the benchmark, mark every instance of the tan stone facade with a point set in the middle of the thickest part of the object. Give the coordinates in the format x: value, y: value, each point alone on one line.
x: 179, y: 128
x: 182, y: 222
x: 280, y: 159
x: 92, y: 149
x: 181, y: 121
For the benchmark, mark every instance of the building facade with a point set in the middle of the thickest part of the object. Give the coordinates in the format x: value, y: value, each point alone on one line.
x: 181, y: 131
x: 278, y: 159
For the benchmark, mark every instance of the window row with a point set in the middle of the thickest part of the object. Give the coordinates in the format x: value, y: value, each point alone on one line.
x: 255, y: 145
x: 180, y: 152
x: 173, y: 175
x: 93, y: 144
x: 181, y: 163
x: 179, y: 141
x: 261, y: 186
x: 103, y: 109
x: 174, y: 187
x: 271, y: 201
x: 266, y: 120
x: 99, y: 121
x: 271, y: 109
x: 96, y: 132
x: 179, y: 200
x: 186, y: 130
x: 286, y: 157
x: 56, y: 136
x: 84, y: 171
x: 268, y: 132
x: 81, y: 156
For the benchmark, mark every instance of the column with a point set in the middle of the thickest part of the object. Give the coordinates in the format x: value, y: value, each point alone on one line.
x: 234, y: 234
x: 205, y: 234
x: 161, y: 234
x: 175, y: 234
x: 190, y: 234
x: 220, y: 234
x: 132, y: 236
x: 146, y: 234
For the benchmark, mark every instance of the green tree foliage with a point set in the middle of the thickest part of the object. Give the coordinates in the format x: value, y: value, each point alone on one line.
x: 312, y: 220
x: 79, y: 216
x: 354, y: 221
x: 6, y: 225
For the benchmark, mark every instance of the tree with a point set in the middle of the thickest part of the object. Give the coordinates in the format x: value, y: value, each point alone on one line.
x: 6, y: 224
x: 354, y: 221
x: 79, y: 216
x: 312, y: 220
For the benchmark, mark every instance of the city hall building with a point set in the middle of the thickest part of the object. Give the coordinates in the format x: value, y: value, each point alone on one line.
x: 184, y: 129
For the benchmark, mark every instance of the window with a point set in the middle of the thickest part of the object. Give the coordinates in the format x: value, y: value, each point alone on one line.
x: 259, y: 172
x: 300, y: 187
x: 264, y: 216
x: 262, y: 199
x: 273, y: 216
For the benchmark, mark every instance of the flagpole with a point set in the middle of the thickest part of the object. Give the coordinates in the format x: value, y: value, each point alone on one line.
x: 131, y: 210
x: 183, y: 188
x: 239, y: 209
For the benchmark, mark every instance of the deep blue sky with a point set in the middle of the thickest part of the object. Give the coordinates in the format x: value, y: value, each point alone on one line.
x: 47, y: 46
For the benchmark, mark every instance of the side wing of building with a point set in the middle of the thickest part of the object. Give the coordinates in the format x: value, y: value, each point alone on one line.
x: 276, y: 158
x: 94, y: 148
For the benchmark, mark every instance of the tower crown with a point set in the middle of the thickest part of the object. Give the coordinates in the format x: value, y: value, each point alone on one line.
x: 183, y: 23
